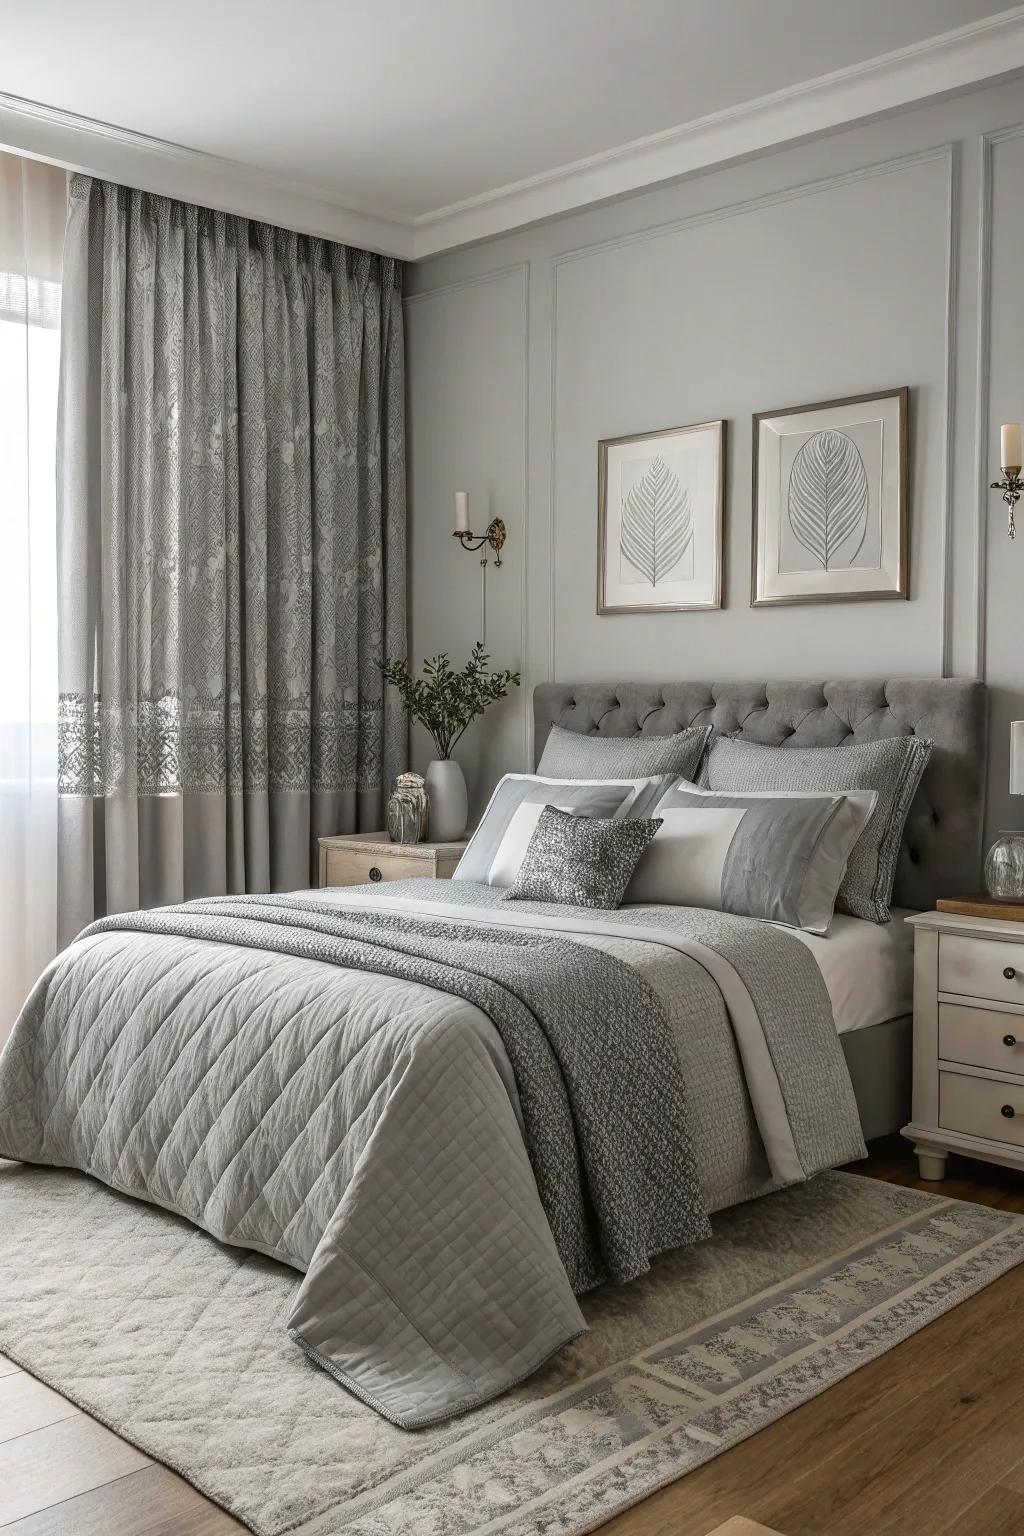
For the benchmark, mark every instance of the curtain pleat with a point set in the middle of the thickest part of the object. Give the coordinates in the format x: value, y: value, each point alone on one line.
x: 231, y: 549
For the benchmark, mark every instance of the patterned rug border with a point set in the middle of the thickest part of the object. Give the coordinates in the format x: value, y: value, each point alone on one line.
x: 350, y: 1518
x: 492, y: 1434
x: 1014, y: 1243
x: 926, y: 1300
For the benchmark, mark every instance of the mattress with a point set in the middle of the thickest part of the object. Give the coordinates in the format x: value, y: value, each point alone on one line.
x: 868, y: 968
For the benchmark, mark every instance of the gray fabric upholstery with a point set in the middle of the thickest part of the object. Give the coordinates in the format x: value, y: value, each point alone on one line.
x: 880, y: 1062
x: 941, y: 853
x: 567, y: 754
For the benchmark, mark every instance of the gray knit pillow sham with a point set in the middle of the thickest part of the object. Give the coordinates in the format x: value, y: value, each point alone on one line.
x: 580, y: 861
x: 571, y: 755
x: 892, y: 767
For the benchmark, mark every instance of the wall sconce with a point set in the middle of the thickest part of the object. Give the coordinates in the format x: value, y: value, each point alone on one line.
x: 494, y: 539
x: 1011, y: 485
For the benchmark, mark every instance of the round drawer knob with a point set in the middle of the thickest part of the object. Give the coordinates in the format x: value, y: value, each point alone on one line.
x: 375, y: 873
x: 1008, y: 1111
x: 1009, y: 972
x: 1009, y: 1039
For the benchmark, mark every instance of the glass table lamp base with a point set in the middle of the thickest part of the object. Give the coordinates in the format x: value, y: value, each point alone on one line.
x: 1004, y: 867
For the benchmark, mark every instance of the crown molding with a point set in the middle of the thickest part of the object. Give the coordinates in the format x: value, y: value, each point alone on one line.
x: 950, y: 62
x: 953, y: 61
x: 172, y: 170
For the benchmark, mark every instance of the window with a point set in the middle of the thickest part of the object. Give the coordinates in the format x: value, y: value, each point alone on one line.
x: 32, y: 210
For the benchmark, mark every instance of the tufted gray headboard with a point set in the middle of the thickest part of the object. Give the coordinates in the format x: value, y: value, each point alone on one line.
x: 941, y: 854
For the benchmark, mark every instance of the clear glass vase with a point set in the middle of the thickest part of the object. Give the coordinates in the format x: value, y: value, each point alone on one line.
x: 1004, y: 867
x: 407, y: 809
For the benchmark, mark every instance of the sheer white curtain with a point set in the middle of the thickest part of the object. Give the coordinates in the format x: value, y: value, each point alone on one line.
x: 33, y: 207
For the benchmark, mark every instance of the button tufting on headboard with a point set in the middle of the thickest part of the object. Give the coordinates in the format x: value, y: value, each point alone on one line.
x: 942, y: 849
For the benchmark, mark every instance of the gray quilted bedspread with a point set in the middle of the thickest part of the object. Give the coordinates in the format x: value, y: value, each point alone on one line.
x: 449, y: 1118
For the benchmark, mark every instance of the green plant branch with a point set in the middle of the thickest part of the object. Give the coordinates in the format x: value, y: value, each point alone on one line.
x: 444, y: 701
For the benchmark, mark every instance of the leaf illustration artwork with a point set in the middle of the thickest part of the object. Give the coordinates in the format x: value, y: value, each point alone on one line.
x: 828, y: 497
x: 657, y: 523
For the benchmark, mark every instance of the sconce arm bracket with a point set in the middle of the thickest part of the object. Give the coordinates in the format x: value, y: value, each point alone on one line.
x: 495, y: 536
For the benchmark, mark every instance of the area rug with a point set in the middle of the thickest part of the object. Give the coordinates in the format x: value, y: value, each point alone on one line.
x: 175, y: 1342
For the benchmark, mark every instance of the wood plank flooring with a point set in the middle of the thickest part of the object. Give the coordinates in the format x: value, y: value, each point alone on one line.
x: 926, y: 1441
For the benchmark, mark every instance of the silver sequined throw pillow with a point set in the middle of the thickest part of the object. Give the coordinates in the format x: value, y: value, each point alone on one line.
x: 580, y: 861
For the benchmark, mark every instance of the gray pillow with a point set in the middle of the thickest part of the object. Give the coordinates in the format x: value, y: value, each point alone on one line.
x: 605, y: 797
x: 580, y: 861
x: 775, y: 856
x: 572, y: 755
x: 892, y: 767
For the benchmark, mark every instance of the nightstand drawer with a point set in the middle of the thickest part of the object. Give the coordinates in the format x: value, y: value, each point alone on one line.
x: 981, y: 968
x: 351, y: 866
x: 981, y: 1037
x: 976, y: 1106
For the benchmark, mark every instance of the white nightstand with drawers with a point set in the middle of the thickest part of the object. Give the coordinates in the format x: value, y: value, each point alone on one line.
x: 968, y: 1040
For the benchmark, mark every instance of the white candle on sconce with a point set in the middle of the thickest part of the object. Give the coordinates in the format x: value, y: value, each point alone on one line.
x: 1009, y: 445
x: 461, y: 511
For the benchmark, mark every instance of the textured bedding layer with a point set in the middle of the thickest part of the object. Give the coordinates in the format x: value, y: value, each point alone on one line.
x: 369, y: 1128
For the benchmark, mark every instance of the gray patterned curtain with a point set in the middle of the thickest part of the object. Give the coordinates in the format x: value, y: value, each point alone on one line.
x: 231, y: 550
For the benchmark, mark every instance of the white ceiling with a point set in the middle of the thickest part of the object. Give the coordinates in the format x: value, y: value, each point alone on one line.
x: 400, y: 109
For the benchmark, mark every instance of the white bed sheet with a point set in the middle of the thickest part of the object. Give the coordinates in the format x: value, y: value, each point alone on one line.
x: 868, y: 968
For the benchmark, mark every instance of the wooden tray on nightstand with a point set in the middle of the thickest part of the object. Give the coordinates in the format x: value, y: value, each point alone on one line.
x: 982, y: 905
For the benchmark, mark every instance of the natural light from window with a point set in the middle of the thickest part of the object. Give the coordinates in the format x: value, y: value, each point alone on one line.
x: 29, y: 364
x: 29, y: 360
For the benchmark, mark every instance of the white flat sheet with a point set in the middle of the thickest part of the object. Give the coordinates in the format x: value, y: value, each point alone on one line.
x: 868, y: 968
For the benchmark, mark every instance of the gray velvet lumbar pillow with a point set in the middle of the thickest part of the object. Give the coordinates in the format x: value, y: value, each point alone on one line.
x: 892, y: 767
x: 571, y: 755
x: 580, y: 861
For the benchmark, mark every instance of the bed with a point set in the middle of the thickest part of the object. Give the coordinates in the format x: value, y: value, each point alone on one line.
x: 453, y: 1118
x: 941, y: 853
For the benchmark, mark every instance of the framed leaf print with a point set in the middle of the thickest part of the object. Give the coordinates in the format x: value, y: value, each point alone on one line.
x: 830, y: 501
x: 659, y: 520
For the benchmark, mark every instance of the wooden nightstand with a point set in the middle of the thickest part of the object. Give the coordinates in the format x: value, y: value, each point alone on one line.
x: 357, y: 857
x: 968, y: 1040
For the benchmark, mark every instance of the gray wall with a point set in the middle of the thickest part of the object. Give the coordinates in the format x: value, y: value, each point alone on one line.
x: 882, y: 256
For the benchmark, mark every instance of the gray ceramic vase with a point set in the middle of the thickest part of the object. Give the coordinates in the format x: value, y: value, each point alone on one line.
x: 447, y: 800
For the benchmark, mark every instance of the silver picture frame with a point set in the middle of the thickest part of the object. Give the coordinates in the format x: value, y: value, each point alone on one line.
x: 831, y: 501
x: 660, y: 501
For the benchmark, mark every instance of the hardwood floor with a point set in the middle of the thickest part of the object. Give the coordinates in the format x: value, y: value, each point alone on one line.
x: 926, y: 1441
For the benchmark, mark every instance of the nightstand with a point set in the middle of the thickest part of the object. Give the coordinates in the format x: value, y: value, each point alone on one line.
x: 356, y: 857
x: 968, y: 1040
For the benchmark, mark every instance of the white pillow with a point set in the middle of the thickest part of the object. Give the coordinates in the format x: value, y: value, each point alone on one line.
x: 512, y: 849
